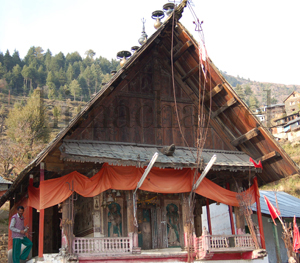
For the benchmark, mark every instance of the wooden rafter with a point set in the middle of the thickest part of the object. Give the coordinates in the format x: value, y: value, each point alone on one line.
x: 224, y: 107
x: 190, y: 73
x: 245, y: 137
x: 213, y: 92
x: 184, y: 48
x: 269, y: 156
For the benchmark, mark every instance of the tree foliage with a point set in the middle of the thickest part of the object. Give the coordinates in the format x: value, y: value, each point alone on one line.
x: 23, y: 76
x: 28, y: 123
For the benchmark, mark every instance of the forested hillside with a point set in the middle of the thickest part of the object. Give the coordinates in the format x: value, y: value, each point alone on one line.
x: 60, y: 76
x: 39, y: 95
x: 254, y: 93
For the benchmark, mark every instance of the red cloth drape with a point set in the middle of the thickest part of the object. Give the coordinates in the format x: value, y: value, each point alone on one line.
x: 55, y: 191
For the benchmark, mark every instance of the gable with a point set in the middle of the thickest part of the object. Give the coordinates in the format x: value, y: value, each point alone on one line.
x: 142, y: 109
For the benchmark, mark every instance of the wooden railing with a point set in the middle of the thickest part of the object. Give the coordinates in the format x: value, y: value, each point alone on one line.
x: 223, y: 243
x: 102, y: 245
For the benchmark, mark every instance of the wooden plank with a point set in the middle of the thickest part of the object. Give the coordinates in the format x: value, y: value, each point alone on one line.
x: 190, y: 73
x: 213, y: 92
x: 184, y: 48
x: 224, y: 107
x: 269, y: 156
x: 245, y: 137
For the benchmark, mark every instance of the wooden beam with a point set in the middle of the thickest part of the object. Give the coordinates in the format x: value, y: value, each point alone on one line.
x: 184, y: 48
x: 245, y: 137
x: 190, y: 73
x: 213, y: 92
x: 269, y: 156
x: 224, y: 107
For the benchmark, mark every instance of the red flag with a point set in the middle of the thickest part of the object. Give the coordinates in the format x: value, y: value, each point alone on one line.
x: 296, y: 237
x: 273, y: 211
x: 256, y: 165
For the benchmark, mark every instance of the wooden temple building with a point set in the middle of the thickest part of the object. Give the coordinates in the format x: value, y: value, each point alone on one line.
x: 78, y: 193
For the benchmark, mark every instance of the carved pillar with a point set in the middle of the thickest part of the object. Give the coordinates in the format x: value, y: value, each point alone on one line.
x: 198, y: 219
x: 131, y: 228
x: 239, y: 216
x: 186, y: 222
x: 67, y: 226
x: 97, y: 216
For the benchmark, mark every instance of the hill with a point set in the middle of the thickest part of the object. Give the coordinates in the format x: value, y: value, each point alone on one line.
x: 279, y: 92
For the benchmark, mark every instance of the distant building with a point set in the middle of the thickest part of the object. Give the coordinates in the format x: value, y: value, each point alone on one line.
x: 292, y: 129
x: 273, y: 111
x: 292, y: 102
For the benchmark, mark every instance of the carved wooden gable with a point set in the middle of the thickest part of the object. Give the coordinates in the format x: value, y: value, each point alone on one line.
x: 142, y: 109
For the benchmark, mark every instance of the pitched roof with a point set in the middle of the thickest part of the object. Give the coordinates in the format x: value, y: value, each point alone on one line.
x: 293, y: 92
x: 139, y: 155
x: 288, y: 205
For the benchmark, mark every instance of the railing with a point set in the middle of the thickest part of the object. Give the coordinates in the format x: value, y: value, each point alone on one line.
x: 102, y: 245
x: 222, y: 243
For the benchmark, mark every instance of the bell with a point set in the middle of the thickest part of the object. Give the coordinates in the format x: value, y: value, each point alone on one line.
x: 104, y: 203
x: 110, y: 199
x: 118, y: 194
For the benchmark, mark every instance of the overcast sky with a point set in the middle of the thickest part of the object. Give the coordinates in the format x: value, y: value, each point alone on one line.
x: 256, y: 39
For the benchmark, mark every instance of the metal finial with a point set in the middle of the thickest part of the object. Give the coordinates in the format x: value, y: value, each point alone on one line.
x: 144, y: 36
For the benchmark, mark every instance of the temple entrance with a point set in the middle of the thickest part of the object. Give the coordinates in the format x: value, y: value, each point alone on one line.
x: 147, y: 230
x: 159, y: 221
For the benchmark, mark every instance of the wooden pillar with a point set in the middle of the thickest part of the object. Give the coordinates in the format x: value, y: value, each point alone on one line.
x: 65, y: 218
x: 30, y: 208
x: 131, y: 228
x: 239, y: 216
x: 41, y: 220
x: 230, y: 214
x: 208, y: 216
x: 259, y: 216
x: 198, y: 217
x: 185, y: 218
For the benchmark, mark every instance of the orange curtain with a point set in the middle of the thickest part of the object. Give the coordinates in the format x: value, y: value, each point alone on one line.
x: 55, y: 191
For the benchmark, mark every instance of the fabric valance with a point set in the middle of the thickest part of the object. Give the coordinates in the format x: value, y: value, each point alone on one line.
x: 54, y: 191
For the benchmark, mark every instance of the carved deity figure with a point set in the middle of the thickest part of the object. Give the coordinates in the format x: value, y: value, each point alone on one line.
x: 114, y: 220
x: 173, y: 225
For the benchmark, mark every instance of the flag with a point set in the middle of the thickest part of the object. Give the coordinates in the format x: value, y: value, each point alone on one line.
x: 256, y: 165
x: 296, y: 237
x: 273, y: 211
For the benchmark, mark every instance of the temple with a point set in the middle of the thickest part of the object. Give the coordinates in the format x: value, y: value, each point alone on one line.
x: 83, y: 194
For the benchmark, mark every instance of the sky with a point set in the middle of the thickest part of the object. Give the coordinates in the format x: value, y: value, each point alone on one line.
x: 255, y: 39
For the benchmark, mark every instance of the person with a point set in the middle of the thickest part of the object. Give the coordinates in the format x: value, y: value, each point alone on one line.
x: 19, y: 236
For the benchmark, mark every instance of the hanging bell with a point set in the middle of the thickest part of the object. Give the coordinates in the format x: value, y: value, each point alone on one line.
x: 110, y: 198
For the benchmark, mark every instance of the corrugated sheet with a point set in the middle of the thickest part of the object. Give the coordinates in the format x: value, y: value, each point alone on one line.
x: 288, y: 205
x: 117, y: 153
